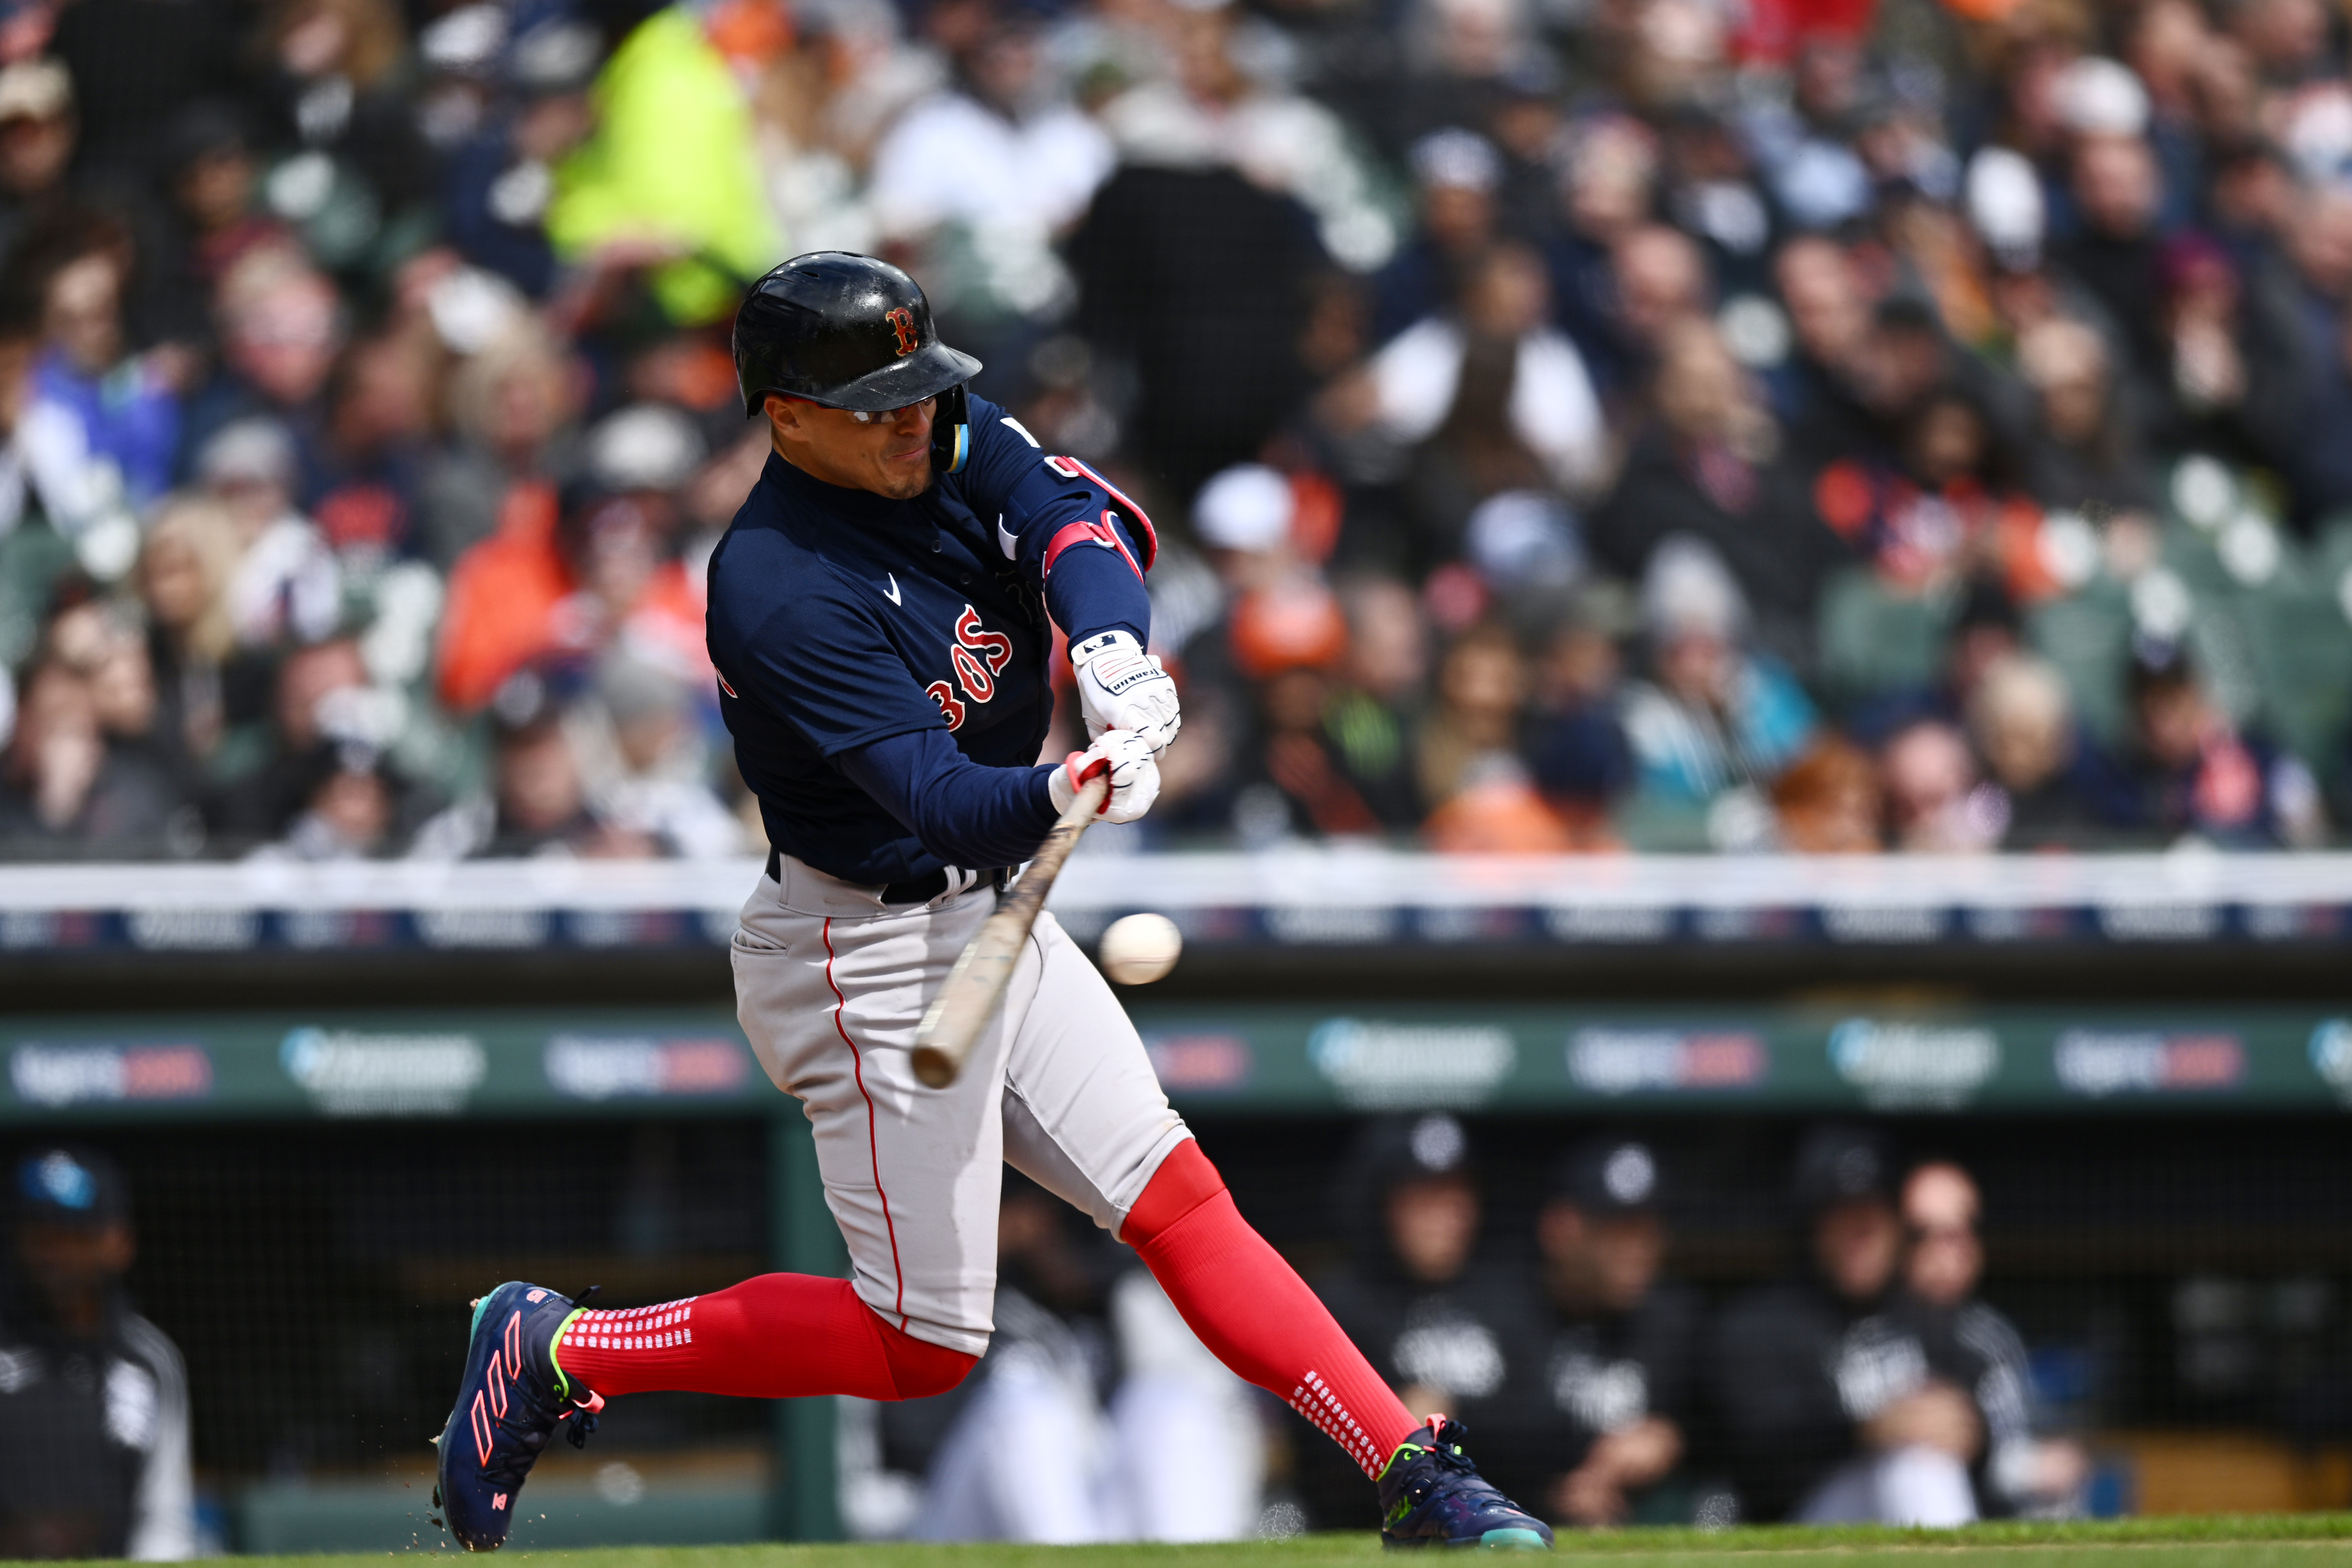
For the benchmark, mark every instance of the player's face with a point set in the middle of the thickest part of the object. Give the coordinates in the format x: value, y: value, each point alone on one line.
x: 1943, y: 1263
x: 887, y: 454
x: 1626, y: 1252
x: 1857, y: 1244
x: 71, y: 1264
x: 1432, y: 1225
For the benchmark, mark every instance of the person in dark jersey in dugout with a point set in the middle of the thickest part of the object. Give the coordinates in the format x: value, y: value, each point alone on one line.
x: 1827, y: 1406
x: 1970, y: 1345
x: 93, y: 1398
x: 1434, y: 1318
x: 1607, y: 1384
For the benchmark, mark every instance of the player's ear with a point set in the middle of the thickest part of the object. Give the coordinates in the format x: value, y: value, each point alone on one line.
x: 784, y: 414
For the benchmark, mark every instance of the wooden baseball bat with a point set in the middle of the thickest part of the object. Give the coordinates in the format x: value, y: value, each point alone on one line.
x: 976, y: 984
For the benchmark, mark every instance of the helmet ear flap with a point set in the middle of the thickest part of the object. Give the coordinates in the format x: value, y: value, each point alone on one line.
x: 952, y: 431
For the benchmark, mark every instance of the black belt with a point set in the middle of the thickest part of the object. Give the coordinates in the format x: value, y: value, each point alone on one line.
x: 916, y: 889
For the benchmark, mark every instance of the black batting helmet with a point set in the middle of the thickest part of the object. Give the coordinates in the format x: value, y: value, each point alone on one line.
x: 846, y: 331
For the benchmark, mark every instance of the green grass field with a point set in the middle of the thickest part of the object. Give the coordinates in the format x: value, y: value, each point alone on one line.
x: 2279, y: 1540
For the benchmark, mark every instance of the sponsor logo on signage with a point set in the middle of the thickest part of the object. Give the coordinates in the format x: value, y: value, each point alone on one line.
x: 54, y: 1075
x: 1609, y: 923
x: 1748, y: 924
x: 589, y: 1067
x: 1652, y: 1061
x: 482, y: 928
x: 2101, y: 1062
x: 193, y: 931
x: 1334, y: 924
x: 319, y: 929
x: 2331, y: 1054
x: 2293, y: 922
x: 1382, y: 1067
x: 22, y: 929
x: 1445, y: 923
x: 1881, y: 922
x: 625, y: 928
x: 1201, y: 1063
x: 1922, y: 1066
x: 2005, y: 924
x: 348, y: 1073
x: 2160, y: 923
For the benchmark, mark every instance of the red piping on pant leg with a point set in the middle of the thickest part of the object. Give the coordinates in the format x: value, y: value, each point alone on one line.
x: 873, y: 1146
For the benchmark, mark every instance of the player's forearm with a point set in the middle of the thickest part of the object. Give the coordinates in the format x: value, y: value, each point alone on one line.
x: 965, y: 814
x: 1091, y: 589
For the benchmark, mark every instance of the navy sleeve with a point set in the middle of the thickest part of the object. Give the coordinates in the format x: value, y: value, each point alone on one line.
x: 965, y: 814
x: 1077, y: 538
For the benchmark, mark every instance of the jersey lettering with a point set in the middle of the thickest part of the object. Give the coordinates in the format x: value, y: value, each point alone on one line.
x: 977, y: 656
x: 972, y: 673
x: 993, y: 646
x: 902, y: 321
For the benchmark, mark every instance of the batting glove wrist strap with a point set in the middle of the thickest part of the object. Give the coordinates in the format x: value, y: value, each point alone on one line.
x: 1120, y: 687
x: 1115, y: 640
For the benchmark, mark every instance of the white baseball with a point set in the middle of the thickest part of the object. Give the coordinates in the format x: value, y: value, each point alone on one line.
x: 1138, y: 949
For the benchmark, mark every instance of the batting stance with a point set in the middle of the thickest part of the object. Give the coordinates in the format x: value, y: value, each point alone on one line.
x: 881, y: 618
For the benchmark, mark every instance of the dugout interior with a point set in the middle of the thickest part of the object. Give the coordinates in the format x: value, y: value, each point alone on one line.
x: 2180, y: 1266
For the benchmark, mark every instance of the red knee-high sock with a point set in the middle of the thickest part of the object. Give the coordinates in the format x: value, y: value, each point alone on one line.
x: 779, y: 1336
x: 1254, y: 1312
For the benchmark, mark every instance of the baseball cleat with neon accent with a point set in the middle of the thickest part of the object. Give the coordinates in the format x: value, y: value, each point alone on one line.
x: 1432, y: 1495
x: 510, y: 1403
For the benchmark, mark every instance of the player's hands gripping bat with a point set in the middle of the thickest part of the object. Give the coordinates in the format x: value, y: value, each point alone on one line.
x: 1120, y: 687
x: 1115, y: 778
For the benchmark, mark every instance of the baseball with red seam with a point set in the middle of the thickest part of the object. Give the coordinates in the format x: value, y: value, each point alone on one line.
x: 1137, y: 950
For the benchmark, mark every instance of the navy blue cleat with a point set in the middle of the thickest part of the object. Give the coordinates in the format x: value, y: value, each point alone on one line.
x: 513, y: 1399
x: 1432, y: 1495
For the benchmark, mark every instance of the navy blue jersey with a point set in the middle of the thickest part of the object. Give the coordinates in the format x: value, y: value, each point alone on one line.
x: 882, y: 663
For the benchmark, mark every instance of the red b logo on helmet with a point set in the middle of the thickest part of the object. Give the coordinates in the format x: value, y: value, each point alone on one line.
x: 902, y: 321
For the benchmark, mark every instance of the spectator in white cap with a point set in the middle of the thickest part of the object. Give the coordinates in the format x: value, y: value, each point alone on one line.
x: 646, y: 446
x: 2005, y: 205
x: 37, y: 132
x: 1455, y: 172
x: 1243, y: 517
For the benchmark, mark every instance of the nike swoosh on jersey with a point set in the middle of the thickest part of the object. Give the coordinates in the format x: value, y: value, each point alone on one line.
x: 1006, y: 542
x: 893, y: 595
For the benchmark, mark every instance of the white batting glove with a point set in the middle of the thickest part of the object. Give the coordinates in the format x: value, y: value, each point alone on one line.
x: 1120, y: 687
x: 1134, y: 776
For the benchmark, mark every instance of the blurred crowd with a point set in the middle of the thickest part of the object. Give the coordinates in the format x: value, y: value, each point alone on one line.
x: 1815, y: 424
x: 1867, y: 1382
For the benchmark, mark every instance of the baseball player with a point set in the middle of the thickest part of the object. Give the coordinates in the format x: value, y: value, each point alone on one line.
x: 881, y: 617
